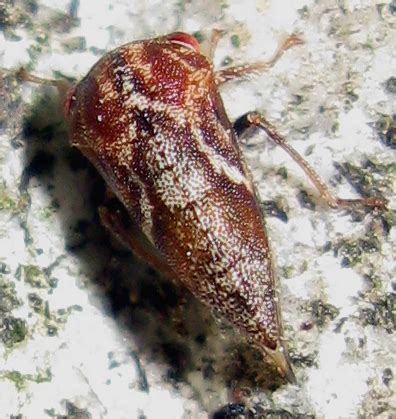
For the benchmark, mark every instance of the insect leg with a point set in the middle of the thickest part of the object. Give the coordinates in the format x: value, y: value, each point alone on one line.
x: 62, y: 85
x: 246, y: 70
x: 133, y: 240
x: 254, y: 119
x: 214, y: 40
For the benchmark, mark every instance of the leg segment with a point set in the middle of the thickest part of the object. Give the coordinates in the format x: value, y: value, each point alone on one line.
x: 254, y: 69
x: 254, y: 119
x: 62, y: 85
x: 214, y: 40
x: 134, y: 241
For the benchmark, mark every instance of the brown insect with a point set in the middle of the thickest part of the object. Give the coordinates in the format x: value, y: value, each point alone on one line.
x: 149, y: 116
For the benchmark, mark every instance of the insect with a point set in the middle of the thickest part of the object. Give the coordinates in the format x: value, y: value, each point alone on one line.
x: 150, y: 118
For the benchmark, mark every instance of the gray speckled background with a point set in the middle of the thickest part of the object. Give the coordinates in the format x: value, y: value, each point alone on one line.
x: 88, y: 331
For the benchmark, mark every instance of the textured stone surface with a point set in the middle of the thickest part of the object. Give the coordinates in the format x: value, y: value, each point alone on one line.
x: 87, y: 330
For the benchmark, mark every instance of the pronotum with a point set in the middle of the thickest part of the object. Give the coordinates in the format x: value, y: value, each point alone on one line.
x: 150, y: 118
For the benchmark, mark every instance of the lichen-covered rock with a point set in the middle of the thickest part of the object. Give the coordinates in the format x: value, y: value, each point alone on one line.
x: 88, y: 330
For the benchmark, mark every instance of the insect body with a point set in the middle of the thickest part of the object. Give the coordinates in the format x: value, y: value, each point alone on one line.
x: 149, y: 116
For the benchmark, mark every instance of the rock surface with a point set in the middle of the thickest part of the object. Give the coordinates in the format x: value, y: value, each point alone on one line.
x: 88, y: 331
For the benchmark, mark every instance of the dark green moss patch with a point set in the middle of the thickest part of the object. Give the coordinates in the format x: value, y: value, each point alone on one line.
x: 53, y: 320
x: 350, y: 91
x: 198, y: 36
x: 387, y: 376
x: 305, y: 200
x: 282, y: 172
x: 386, y: 127
x: 273, y: 209
x: 20, y: 380
x: 6, y: 201
x: 305, y: 360
x: 235, y: 41
x: 373, y: 281
x: 69, y: 310
x: 352, y: 251
x: 8, y: 299
x: 35, y: 277
x: 340, y: 324
x: 362, y: 177
x: 240, y: 411
x: 304, y: 12
x: 16, y: 377
x: 233, y: 411
x: 388, y: 220
x: 381, y: 314
x: 14, y: 14
x: 322, y: 312
x: 4, y: 269
x: 390, y: 85
x: 289, y: 271
x: 297, y: 100
x: 10, y: 201
x: 73, y: 412
x: 284, y: 414
x: 12, y: 331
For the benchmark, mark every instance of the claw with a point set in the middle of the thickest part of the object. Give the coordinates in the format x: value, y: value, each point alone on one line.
x: 281, y: 359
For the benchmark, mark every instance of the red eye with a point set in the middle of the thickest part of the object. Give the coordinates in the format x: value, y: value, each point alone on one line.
x: 184, y: 39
